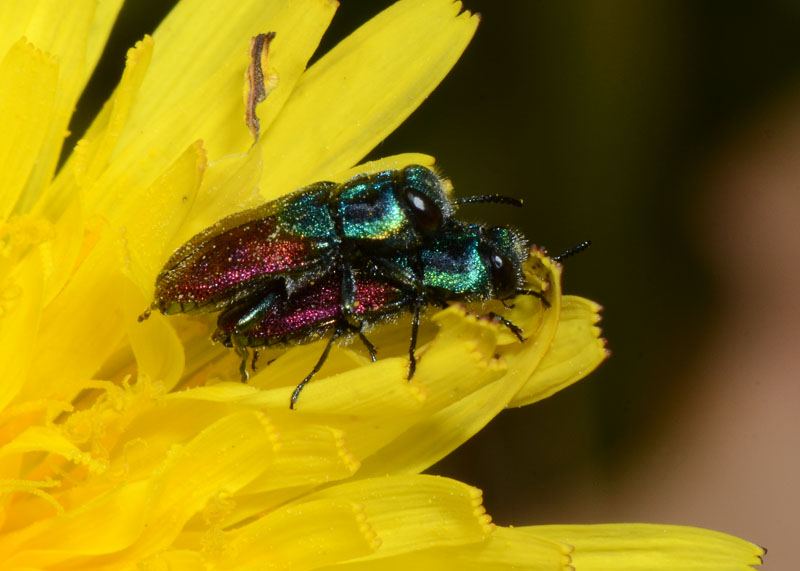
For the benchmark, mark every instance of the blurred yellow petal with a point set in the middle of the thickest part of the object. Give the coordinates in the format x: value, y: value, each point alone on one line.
x: 61, y: 252
x: 29, y: 78
x: 82, y: 326
x: 359, y: 92
x: 68, y: 535
x: 93, y: 153
x: 105, y: 15
x: 651, y: 547
x: 73, y: 33
x: 20, y: 307
x: 576, y: 351
x: 42, y: 439
x: 222, y: 459
x: 219, y: 460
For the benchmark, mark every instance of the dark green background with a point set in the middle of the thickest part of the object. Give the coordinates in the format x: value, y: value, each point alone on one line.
x: 599, y: 114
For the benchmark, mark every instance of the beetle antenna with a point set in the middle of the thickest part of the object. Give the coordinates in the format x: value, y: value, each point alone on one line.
x: 572, y: 251
x: 496, y: 198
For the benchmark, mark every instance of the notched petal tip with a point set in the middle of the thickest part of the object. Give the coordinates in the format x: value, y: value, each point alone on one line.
x: 576, y: 350
x: 651, y: 546
x: 479, y: 511
x: 347, y: 458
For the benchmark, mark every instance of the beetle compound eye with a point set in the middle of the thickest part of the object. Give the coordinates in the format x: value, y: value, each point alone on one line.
x: 504, y: 277
x: 425, y: 211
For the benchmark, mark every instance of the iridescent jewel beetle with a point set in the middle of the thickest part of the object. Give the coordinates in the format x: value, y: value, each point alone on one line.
x: 460, y: 263
x: 298, y: 238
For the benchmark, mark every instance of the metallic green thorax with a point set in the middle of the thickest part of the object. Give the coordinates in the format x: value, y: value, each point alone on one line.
x: 453, y: 263
x: 308, y: 215
x: 460, y: 262
x: 369, y: 208
x: 378, y: 207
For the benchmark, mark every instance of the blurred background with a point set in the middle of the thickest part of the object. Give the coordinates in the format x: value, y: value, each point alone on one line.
x: 668, y: 133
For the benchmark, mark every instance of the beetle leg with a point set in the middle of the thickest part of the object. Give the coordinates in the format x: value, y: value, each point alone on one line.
x: 538, y: 294
x: 367, y: 343
x: 254, y: 314
x: 348, y: 289
x: 514, y: 328
x: 412, y: 359
x: 336, y: 334
x: 244, y: 354
x: 409, y: 279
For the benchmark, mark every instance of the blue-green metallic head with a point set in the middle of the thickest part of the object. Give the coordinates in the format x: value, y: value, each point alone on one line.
x: 472, y: 262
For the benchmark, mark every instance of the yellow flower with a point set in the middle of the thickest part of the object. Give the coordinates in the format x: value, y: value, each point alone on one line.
x: 126, y: 444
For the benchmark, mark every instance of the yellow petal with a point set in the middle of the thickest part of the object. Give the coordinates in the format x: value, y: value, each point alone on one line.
x: 308, y: 454
x: 215, y: 68
x: 178, y: 560
x: 304, y: 536
x: 505, y: 549
x: 156, y: 346
x: 20, y: 307
x: 62, y: 251
x: 82, y: 325
x: 374, y: 404
x: 173, y: 106
x: 220, y: 460
x: 27, y: 101
x: 92, y: 153
x: 576, y: 351
x: 410, y: 513
x: 229, y: 185
x: 53, y: 540
x: 95, y: 151
x: 374, y: 391
x: 43, y: 439
x: 74, y: 33
x: 651, y: 547
x: 359, y: 92
x: 153, y: 221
